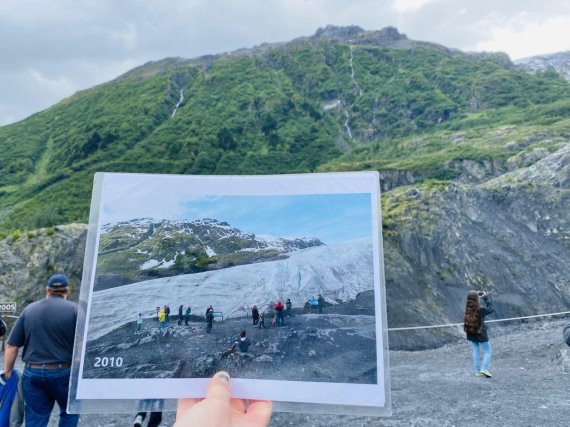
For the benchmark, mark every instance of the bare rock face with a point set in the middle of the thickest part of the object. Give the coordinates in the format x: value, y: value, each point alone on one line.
x: 559, y: 62
x: 27, y: 262
x: 508, y: 236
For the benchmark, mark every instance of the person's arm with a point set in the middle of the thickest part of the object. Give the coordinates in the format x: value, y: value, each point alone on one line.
x: 488, y: 309
x: 10, y: 355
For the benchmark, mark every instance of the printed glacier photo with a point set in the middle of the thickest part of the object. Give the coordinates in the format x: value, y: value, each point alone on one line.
x: 265, y: 286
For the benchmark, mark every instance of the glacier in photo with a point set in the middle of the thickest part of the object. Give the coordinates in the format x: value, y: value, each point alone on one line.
x: 338, y: 272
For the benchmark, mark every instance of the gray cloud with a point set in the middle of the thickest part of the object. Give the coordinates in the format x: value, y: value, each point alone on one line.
x: 50, y: 49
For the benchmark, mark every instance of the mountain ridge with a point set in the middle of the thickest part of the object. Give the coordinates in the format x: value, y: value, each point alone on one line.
x: 324, y: 102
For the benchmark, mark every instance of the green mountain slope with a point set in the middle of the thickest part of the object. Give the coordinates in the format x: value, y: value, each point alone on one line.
x: 343, y: 99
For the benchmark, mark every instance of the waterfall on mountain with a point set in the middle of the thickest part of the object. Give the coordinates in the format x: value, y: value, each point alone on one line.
x: 178, y: 103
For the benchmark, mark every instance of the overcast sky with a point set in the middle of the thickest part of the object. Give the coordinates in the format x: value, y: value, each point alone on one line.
x: 49, y: 49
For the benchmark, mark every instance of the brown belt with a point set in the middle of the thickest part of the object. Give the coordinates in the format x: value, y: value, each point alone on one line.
x: 48, y: 365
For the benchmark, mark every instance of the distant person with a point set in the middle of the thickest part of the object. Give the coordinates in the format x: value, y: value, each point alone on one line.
x: 209, y: 319
x: 321, y: 303
x: 242, y: 343
x: 180, y: 314
x: 262, y: 321
x: 255, y: 315
x: 161, y: 319
x: 167, y: 312
x: 139, y: 323
x: 46, y: 330
x: 474, y: 326
x: 219, y: 409
x: 279, y: 307
x: 289, y: 307
x: 187, y: 315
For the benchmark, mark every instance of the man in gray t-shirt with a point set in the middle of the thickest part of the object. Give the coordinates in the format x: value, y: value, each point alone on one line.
x: 46, y: 330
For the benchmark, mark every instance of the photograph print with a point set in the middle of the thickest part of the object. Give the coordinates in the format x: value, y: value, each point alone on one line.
x: 273, y: 279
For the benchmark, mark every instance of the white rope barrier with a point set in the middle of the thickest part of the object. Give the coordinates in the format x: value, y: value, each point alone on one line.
x: 486, y: 321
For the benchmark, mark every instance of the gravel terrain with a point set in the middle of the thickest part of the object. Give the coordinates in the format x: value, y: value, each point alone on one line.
x: 438, y: 388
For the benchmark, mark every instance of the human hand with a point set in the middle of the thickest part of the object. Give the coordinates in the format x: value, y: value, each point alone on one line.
x: 218, y: 409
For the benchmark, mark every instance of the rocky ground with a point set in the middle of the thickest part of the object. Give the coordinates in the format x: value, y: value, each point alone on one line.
x: 435, y: 388
x: 336, y: 346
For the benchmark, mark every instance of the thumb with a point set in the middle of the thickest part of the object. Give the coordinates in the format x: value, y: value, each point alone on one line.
x: 214, y: 410
x: 219, y: 388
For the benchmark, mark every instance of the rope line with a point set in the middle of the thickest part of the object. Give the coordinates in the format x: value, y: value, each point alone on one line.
x: 10, y: 315
x: 486, y: 321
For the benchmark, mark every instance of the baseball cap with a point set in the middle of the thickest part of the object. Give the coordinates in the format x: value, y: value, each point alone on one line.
x: 57, y: 281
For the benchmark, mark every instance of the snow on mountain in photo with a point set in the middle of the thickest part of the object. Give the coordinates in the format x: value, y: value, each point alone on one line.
x: 338, y: 272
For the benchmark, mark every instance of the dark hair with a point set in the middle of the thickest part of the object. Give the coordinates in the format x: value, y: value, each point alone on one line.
x: 473, y: 322
x: 242, y: 334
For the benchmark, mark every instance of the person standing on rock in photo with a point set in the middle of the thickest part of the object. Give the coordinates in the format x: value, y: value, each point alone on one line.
x: 161, y: 319
x: 288, y: 307
x: 255, y: 315
x: 167, y: 312
x: 139, y: 323
x: 180, y: 314
x: 474, y: 326
x: 321, y: 303
x: 279, y: 313
x: 46, y: 330
x: 262, y: 321
x: 209, y: 318
x: 187, y: 315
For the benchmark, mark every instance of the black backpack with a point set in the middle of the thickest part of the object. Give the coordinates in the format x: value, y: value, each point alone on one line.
x: 2, y: 327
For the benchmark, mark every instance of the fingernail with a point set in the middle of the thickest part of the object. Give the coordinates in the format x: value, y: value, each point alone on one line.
x: 224, y: 377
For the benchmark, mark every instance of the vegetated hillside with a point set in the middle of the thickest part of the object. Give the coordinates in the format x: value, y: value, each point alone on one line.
x: 385, y: 102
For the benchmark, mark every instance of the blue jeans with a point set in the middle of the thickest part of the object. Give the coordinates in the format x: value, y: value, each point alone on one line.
x: 41, y: 389
x: 487, y: 354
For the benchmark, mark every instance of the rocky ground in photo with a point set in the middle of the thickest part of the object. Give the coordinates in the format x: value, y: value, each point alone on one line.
x: 437, y: 388
x: 338, y: 345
